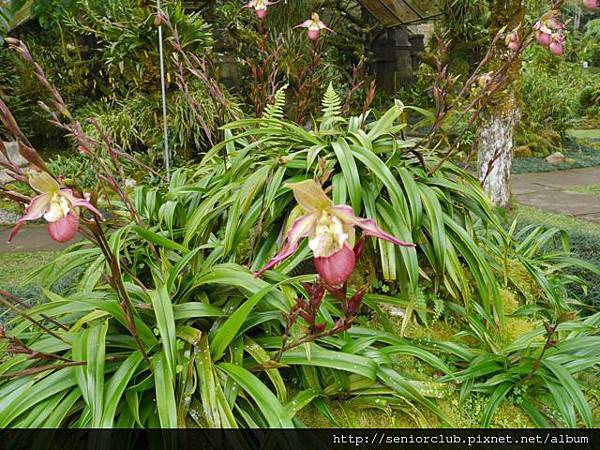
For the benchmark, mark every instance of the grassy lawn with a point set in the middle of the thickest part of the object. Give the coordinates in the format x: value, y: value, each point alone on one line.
x: 593, y: 189
x: 16, y: 267
x: 584, y: 134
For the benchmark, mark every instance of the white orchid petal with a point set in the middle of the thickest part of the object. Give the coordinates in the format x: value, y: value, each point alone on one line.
x: 58, y: 209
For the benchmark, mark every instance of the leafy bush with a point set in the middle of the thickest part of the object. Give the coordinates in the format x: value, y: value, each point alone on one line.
x: 135, y: 123
x: 106, y: 61
x: 551, y: 88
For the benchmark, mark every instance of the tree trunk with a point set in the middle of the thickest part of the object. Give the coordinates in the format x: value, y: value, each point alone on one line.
x: 495, y: 135
x: 495, y: 140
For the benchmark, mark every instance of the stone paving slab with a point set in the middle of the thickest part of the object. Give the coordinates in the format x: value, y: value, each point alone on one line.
x: 563, y: 202
x: 549, y: 191
x: 558, y: 180
x: 32, y: 238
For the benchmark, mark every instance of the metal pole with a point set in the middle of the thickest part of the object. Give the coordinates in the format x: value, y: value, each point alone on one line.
x: 163, y: 87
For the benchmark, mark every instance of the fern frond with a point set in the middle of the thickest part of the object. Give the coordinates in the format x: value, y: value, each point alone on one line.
x: 332, y: 104
x: 275, y: 110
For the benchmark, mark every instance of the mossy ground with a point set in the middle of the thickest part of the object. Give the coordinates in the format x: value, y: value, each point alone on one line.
x: 578, y: 153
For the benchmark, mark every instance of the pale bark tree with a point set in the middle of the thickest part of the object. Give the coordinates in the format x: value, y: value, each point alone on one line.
x: 495, y: 135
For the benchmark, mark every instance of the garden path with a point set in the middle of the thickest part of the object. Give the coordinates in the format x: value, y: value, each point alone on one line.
x: 548, y: 191
x: 551, y: 191
x: 32, y: 238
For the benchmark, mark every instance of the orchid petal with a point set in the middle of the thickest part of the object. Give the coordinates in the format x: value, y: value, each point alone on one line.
x: 310, y: 196
x: 300, y: 228
x: 36, y: 209
x: 369, y: 227
x: 77, y: 202
x: 15, y: 231
x: 322, y: 26
x: 43, y: 182
x: 305, y: 24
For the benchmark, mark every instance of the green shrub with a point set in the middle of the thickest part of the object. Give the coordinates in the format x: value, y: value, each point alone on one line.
x: 551, y: 90
x: 135, y: 122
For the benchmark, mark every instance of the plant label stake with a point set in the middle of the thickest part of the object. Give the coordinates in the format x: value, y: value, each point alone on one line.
x: 163, y: 88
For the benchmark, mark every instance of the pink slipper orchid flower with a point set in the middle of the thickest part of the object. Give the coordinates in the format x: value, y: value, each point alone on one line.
x: 260, y: 7
x: 592, y: 5
x: 331, y: 234
x: 314, y: 25
x: 59, y: 207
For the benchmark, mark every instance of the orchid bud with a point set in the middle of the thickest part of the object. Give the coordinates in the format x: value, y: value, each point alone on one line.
x: 359, y: 248
x: 591, y: 4
x: 306, y: 316
x: 513, y: 41
x: 317, y: 296
x: 319, y: 328
x: 354, y: 303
